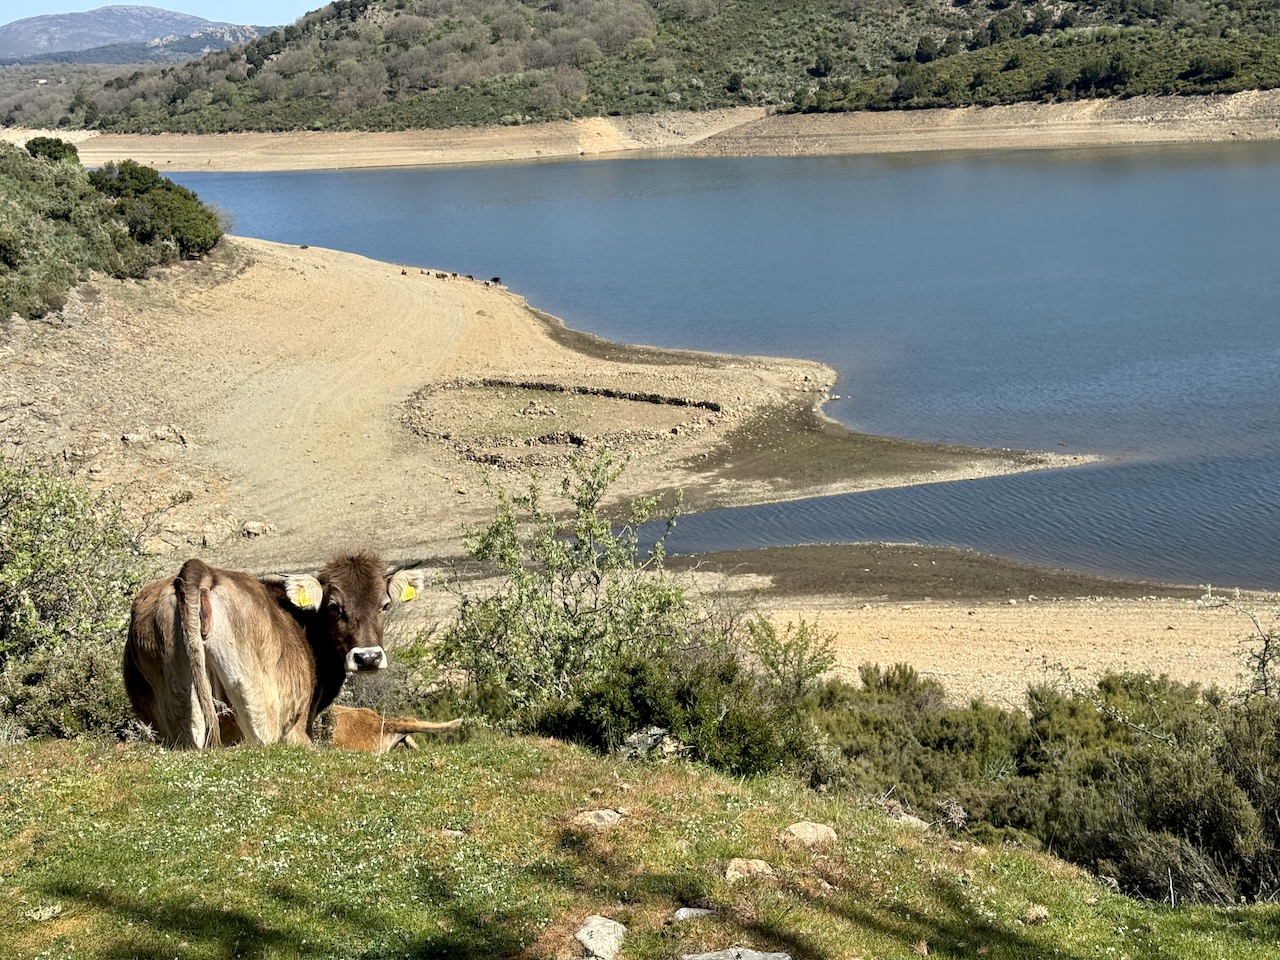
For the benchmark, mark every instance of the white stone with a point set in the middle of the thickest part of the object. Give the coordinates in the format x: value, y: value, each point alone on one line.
x: 601, y: 937
x: 807, y: 834
x: 596, y: 819
x: 690, y: 913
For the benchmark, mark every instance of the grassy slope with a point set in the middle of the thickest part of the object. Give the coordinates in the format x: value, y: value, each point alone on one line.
x: 137, y: 852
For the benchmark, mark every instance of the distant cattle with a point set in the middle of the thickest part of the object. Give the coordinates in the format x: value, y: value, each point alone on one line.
x: 357, y: 728
x: 217, y: 656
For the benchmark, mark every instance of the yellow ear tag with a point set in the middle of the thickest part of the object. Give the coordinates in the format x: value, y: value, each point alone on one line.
x: 408, y: 593
x: 302, y: 600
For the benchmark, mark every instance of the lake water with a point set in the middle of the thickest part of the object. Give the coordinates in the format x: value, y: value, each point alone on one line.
x: 1123, y: 302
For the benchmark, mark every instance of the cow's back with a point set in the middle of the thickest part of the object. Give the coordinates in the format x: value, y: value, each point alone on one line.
x: 258, y: 657
x: 255, y: 655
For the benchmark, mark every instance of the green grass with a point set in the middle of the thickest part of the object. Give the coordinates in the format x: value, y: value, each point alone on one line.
x: 284, y: 852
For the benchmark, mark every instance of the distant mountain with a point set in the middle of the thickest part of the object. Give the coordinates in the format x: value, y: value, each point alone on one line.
x: 130, y: 34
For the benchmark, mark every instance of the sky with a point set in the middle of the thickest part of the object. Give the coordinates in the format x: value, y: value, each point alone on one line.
x: 258, y: 12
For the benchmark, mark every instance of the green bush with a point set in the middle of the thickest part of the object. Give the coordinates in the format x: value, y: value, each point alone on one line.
x: 56, y: 226
x: 793, y: 662
x: 721, y: 712
x: 11, y: 252
x: 74, y: 689
x: 587, y: 638
x: 157, y: 210
x: 53, y: 149
x: 68, y: 573
x: 1165, y: 788
x: 730, y: 722
x: 575, y: 596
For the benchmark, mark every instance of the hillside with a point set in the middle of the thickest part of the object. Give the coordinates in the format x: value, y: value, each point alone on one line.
x: 502, y: 847
x: 402, y: 64
x: 35, y: 37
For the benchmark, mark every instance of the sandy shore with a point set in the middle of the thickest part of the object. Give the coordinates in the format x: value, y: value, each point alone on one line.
x: 996, y: 650
x: 308, y: 150
x: 984, y: 626
x: 295, y: 398
x: 747, y: 131
x: 271, y: 404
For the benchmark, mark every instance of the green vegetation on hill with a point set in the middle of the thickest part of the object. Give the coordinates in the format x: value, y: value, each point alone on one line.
x: 396, y: 64
x: 58, y: 222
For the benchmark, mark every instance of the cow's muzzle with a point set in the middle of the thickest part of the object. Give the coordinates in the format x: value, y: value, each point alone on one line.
x: 360, y: 659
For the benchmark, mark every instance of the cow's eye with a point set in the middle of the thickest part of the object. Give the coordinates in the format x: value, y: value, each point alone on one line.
x: 385, y: 604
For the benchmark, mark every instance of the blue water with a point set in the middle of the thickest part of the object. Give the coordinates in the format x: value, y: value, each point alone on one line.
x: 1121, y: 302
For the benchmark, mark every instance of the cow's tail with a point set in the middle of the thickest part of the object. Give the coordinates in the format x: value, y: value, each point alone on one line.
x: 193, y: 584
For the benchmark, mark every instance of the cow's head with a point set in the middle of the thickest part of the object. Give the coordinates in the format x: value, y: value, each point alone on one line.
x: 353, y: 593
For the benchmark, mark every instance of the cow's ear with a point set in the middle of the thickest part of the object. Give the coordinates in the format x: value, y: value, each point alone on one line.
x: 405, y: 585
x: 303, y: 590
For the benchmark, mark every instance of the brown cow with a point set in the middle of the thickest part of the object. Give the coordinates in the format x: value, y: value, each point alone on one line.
x: 216, y: 655
x: 358, y: 728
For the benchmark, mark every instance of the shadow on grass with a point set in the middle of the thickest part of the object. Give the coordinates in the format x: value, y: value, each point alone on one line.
x: 590, y: 869
x: 207, y: 931
x: 948, y: 928
x: 161, y: 923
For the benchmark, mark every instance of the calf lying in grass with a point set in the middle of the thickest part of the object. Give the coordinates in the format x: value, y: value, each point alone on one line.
x: 357, y: 728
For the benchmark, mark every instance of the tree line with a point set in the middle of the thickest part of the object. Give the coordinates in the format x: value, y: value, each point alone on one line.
x: 397, y: 64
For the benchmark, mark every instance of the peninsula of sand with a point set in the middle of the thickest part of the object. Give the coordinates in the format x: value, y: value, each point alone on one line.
x: 270, y: 404
x: 745, y: 131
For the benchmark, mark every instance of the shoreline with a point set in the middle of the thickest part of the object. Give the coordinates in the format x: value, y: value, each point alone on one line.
x: 272, y: 404
x: 406, y: 394
x: 733, y: 132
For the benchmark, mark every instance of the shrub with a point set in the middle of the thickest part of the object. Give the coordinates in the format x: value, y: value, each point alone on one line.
x: 795, y: 661
x: 1166, y: 789
x: 157, y: 210
x: 729, y: 720
x: 53, y: 149
x: 586, y: 637
x: 68, y: 572
x: 74, y: 689
x: 575, y: 596
x: 56, y: 225
x: 11, y: 253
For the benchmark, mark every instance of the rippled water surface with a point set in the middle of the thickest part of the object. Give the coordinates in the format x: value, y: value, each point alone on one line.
x: 1123, y: 302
